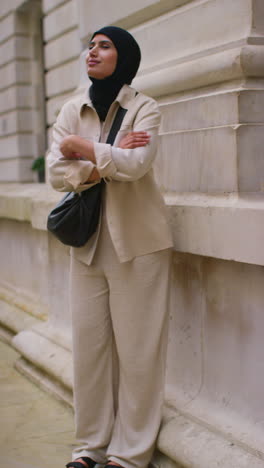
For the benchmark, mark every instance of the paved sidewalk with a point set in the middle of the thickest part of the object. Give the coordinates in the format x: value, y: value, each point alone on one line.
x: 36, y: 430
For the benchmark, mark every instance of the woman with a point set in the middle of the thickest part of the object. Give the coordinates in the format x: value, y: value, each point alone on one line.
x: 119, y: 279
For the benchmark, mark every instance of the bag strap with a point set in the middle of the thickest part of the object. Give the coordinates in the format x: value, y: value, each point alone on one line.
x: 116, y: 124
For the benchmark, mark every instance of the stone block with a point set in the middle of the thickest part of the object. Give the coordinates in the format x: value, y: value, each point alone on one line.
x: 197, y: 112
x: 7, y: 27
x: 187, y: 442
x: 28, y: 258
x: 225, y: 226
x: 222, y: 392
x: 65, y: 48
x: 16, y: 121
x: 125, y: 14
x: 48, y: 5
x: 16, y: 170
x: 211, y: 29
x: 49, y: 357
x: 15, y: 48
x: 16, y: 73
x: 250, y: 141
x: 54, y: 104
x: 16, y: 97
x: 63, y: 79
x: 60, y: 20
x: 204, y: 110
x: 251, y: 105
x: 17, y: 145
x: 14, y: 23
x: 258, y: 17
x: 197, y: 161
x: 6, y: 8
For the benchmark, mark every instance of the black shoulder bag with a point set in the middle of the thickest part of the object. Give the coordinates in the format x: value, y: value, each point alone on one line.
x: 75, y: 218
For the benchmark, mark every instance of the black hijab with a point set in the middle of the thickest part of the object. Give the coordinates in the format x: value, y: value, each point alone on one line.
x: 103, y: 92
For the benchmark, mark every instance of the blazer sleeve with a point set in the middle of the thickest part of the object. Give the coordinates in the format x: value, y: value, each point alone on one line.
x: 131, y: 164
x: 66, y: 175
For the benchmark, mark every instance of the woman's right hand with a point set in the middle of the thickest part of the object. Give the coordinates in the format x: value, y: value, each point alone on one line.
x: 134, y: 140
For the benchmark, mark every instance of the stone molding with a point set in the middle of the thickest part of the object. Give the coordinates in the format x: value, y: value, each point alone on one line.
x: 186, y: 441
x: 191, y: 72
x: 214, y: 222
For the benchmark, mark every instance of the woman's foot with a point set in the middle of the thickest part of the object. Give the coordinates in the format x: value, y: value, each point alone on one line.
x: 82, y: 462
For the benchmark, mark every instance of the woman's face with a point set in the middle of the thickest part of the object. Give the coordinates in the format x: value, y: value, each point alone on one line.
x: 101, y: 58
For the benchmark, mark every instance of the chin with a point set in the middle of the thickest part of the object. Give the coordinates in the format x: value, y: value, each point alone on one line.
x: 94, y: 75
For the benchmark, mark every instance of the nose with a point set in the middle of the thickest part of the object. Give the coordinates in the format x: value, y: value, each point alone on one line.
x: 90, y: 53
x: 93, y: 51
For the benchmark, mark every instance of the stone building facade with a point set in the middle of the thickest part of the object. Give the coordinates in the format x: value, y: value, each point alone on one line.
x: 203, y: 60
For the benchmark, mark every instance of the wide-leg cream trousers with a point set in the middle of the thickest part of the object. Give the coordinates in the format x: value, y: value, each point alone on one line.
x: 122, y: 307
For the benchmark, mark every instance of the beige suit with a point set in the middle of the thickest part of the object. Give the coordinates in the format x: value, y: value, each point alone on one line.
x: 135, y: 209
x: 119, y: 285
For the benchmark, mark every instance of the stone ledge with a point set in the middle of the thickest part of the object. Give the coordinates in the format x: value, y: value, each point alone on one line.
x: 15, y: 319
x: 50, y: 358
x: 227, y: 226
x: 184, y: 442
x: 28, y: 202
x: 23, y: 303
x: 190, y: 73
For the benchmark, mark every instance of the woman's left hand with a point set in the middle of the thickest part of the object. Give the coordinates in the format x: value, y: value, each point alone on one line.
x: 134, y: 140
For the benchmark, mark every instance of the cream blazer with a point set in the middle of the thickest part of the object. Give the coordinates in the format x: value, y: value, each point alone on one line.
x: 135, y: 209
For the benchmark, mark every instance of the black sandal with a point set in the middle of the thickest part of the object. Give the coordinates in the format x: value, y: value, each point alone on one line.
x: 75, y: 464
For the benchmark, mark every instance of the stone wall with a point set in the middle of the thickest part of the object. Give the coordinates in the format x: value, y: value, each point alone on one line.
x: 203, y: 60
x: 22, y: 103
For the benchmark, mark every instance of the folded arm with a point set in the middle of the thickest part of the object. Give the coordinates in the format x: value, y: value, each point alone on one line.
x: 68, y: 173
x: 76, y: 163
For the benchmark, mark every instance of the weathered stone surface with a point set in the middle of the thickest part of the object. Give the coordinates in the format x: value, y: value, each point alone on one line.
x: 219, y: 226
x: 16, y: 169
x: 62, y: 79
x: 126, y: 14
x: 216, y: 329
x: 49, y: 357
x: 15, y: 48
x: 61, y: 20
x: 54, y: 105
x: 15, y: 73
x: 195, y: 161
x: 48, y: 5
x: 17, y: 145
x: 65, y: 48
x: 16, y: 97
x: 17, y: 121
x: 209, y: 449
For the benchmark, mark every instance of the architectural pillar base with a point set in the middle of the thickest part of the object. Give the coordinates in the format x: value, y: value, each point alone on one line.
x: 185, y: 442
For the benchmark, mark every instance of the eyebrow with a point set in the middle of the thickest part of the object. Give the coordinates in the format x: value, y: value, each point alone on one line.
x: 101, y: 42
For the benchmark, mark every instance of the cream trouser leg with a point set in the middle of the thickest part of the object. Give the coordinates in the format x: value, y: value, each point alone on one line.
x: 127, y: 301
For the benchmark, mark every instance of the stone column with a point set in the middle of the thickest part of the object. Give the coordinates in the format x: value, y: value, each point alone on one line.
x: 22, y: 103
